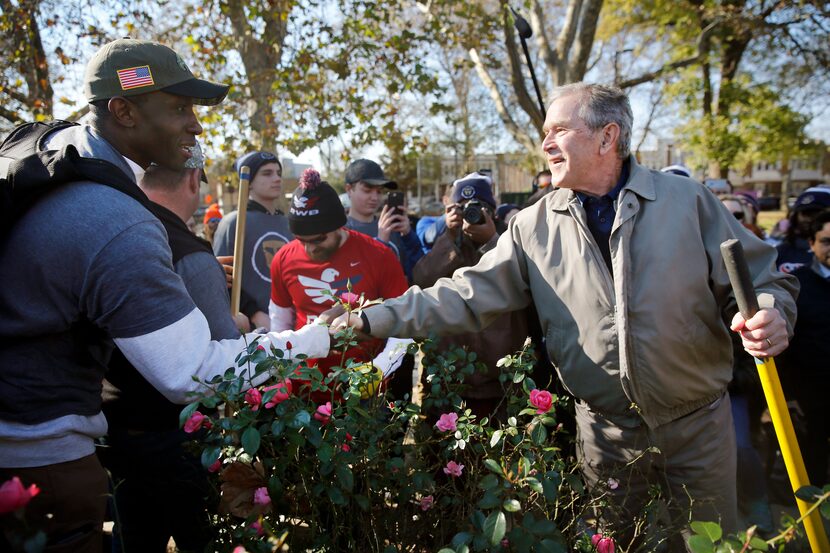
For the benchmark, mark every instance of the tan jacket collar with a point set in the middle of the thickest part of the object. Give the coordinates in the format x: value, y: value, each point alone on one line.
x: 640, y: 182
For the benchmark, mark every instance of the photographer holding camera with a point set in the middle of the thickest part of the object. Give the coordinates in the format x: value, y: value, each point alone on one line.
x: 471, y: 232
x: 471, y: 214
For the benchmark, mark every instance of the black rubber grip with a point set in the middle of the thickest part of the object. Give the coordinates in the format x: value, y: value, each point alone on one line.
x: 733, y: 255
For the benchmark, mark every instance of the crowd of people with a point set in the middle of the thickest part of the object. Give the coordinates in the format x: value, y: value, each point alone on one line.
x: 613, y: 269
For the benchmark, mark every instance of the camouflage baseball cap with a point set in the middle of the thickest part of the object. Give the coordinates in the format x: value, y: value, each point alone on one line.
x: 128, y: 67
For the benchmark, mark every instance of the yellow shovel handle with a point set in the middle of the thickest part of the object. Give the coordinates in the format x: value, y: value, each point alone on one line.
x: 733, y: 256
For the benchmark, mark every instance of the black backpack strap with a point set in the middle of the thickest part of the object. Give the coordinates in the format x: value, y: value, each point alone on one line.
x: 28, y: 171
x: 30, y: 137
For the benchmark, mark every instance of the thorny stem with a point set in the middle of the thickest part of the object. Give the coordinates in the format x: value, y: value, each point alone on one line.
x: 789, y: 530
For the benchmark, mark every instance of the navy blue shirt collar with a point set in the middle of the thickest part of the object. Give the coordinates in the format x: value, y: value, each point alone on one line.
x: 615, y: 192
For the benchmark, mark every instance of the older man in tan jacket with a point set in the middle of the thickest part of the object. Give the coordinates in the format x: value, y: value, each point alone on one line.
x: 623, y: 266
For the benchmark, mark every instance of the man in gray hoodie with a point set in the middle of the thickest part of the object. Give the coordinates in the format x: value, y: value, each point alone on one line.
x: 76, y: 286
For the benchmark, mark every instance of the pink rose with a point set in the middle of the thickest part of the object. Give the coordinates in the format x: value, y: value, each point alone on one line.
x: 253, y: 397
x: 446, y: 422
x: 215, y: 466
x: 195, y: 422
x: 260, y: 347
x: 453, y: 469
x: 14, y: 496
x: 239, y: 549
x: 346, y: 448
x: 261, y: 496
x: 350, y: 297
x: 605, y: 545
x: 542, y: 400
x: 283, y: 392
x: 323, y: 413
x: 257, y: 527
x: 602, y: 543
x: 426, y: 503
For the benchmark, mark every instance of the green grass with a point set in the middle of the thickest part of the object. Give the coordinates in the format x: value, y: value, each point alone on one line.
x: 767, y: 219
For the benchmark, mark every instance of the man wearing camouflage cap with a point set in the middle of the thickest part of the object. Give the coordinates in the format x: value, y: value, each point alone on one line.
x: 73, y: 288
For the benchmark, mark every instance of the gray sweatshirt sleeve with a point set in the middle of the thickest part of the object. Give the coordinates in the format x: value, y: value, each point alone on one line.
x: 205, y: 281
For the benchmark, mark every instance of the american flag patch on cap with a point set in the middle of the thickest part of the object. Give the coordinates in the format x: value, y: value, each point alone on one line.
x: 135, y: 77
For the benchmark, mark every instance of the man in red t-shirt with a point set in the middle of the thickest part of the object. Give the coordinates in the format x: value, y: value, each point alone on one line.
x: 327, y: 261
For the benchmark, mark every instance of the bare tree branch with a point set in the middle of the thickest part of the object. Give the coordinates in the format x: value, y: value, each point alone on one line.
x: 656, y: 100
x: 584, y: 41
x: 521, y: 136
x: 565, y: 40
x: 77, y: 114
x: 11, y: 116
x: 702, y: 48
x: 549, y: 55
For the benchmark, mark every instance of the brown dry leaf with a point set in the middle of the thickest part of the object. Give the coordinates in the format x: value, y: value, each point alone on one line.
x: 239, y: 481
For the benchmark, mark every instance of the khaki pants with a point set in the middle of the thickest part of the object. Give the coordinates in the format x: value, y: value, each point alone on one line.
x: 691, y: 460
x: 75, y: 494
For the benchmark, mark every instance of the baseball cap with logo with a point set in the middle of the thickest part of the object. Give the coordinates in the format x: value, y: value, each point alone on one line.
x: 814, y: 198
x: 369, y: 172
x: 474, y: 185
x: 128, y: 67
x: 254, y: 161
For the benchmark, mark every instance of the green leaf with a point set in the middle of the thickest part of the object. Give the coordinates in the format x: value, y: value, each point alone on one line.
x: 461, y: 538
x: 511, y: 506
x: 534, y: 484
x: 277, y: 428
x: 325, y: 452
x: 494, y: 527
x: 489, y: 500
x: 446, y: 550
x: 709, y: 529
x: 251, y: 440
x: 302, y: 418
x: 494, y: 466
x: 495, y: 438
x: 344, y: 475
x: 808, y: 493
x: 759, y: 544
x: 539, y: 434
x: 335, y: 495
x: 543, y: 527
x: 488, y: 482
x: 518, y: 377
x: 701, y: 544
x: 550, y: 490
x: 210, y: 455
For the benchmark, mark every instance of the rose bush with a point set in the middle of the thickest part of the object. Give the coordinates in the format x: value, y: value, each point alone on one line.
x: 386, y: 474
x: 383, y: 473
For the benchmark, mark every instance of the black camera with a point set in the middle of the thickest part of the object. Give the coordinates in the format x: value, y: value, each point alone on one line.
x: 474, y: 212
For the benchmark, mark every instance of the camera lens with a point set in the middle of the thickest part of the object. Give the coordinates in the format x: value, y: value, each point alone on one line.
x: 473, y: 213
